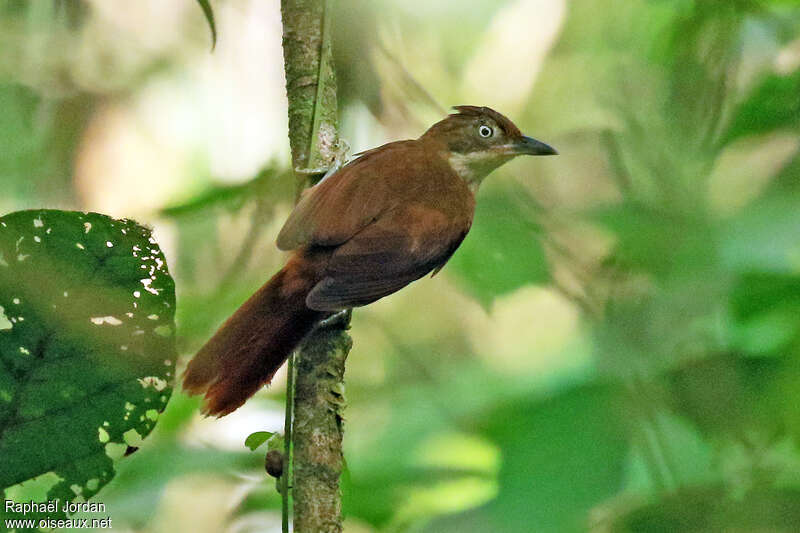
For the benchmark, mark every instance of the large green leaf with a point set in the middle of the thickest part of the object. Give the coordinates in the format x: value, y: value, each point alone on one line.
x: 560, y: 457
x: 659, y: 242
x: 87, y: 347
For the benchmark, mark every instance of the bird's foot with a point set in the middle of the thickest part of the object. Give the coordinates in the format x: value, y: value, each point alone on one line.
x: 339, y: 154
x: 338, y: 320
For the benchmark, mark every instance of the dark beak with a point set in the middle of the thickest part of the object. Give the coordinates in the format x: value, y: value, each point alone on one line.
x: 529, y: 146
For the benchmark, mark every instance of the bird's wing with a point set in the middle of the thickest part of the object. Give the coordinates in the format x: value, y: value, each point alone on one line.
x: 401, y: 246
x: 341, y: 205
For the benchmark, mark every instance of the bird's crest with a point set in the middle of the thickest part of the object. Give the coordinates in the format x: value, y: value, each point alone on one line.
x: 475, y: 111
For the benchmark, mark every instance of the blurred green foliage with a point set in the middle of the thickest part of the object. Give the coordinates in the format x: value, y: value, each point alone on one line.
x: 505, y: 233
x: 666, y: 238
x: 39, y: 138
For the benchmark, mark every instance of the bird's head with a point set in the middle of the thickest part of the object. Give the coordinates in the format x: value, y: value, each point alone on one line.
x: 477, y: 140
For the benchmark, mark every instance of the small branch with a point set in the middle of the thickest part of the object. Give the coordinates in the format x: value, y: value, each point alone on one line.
x: 287, y: 445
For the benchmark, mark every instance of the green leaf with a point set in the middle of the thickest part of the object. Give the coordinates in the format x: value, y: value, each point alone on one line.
x: 503, y: 251
x: 87, y: 347
x: 254, y: 440
x: 658, y: 242
x: 773, y: 104
x: 209, y: 14
x: 276, y: 442
x: 561, y: 457
x: 765, y: 311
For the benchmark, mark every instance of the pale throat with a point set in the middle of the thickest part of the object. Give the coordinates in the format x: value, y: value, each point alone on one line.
x: 473, y: 167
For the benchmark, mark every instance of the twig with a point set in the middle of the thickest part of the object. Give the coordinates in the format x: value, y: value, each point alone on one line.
x: 287, y: 444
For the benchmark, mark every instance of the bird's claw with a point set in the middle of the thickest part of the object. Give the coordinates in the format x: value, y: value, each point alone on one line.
x: 338, y: 320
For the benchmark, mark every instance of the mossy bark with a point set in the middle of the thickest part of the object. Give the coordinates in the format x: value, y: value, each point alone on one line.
x: 311, y: 85
x: 316, y: 432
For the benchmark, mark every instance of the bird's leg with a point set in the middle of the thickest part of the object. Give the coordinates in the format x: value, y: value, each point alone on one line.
x: 340, y: 319
x: 341, y: 153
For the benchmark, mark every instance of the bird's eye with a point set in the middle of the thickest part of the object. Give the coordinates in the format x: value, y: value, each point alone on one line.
x: 485, y: 131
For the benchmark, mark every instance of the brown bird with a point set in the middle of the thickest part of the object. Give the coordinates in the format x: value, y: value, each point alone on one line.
x: 387, y: 218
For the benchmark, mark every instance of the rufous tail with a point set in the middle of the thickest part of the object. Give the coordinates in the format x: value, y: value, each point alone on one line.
x: 254, y: 342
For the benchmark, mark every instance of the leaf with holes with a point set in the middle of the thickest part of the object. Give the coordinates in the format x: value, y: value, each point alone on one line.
x: 87, y: 348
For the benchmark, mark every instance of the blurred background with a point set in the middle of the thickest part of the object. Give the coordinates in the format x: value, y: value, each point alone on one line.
x: 616, y: 345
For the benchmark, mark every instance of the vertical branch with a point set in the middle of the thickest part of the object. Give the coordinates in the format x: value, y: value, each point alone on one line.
x: 286, y: 474
x: 310, y: 86
x: 317, y: 430
x: 314, y: 433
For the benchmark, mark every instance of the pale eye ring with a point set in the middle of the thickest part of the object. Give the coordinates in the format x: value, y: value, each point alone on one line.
x: 485, y: 131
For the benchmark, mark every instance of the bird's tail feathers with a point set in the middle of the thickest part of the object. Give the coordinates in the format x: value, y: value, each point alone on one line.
x: 244, y: 354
